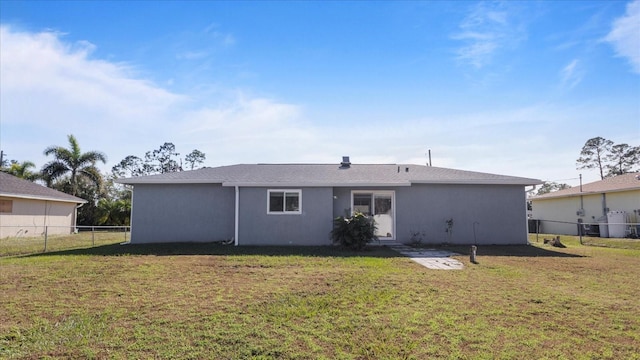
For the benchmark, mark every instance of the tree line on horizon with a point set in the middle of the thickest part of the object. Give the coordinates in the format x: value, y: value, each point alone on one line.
x: 76, y: 173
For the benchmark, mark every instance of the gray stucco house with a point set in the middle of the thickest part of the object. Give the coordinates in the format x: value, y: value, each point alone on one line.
x: 295, y: 204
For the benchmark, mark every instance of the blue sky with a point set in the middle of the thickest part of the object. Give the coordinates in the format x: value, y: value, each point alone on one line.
x: 512, y: 88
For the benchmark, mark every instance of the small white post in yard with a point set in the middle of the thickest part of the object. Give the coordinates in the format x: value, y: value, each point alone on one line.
x: 93, y: 236
x: 473, y: 254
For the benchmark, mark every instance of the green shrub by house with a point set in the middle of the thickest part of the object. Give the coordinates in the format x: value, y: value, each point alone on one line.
x: 353, y: 232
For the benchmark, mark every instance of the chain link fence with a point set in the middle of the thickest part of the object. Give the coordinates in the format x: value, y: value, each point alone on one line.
x: 600, y: 229
x: 21, y: 240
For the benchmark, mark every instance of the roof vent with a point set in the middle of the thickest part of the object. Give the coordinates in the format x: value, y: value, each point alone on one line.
x: 345, y: 162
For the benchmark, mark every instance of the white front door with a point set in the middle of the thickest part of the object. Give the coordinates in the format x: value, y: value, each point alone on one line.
x: 381, y: 206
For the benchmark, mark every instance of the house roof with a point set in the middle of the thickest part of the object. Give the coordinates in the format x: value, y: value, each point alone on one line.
x: 11, y: 186
x: 327, y: 175
x: 626, y: 182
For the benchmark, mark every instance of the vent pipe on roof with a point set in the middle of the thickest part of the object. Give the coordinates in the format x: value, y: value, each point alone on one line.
x: 345, y: 162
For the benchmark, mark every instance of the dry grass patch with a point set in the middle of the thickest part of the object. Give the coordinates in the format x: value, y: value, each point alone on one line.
x: 204, y: 301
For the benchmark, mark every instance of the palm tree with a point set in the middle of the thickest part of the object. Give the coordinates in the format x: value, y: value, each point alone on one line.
x: 21, y: 170
x: 114, y: 212
x: 73, y: 162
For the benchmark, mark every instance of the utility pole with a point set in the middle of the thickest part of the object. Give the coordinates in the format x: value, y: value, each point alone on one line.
x: 1, y: 158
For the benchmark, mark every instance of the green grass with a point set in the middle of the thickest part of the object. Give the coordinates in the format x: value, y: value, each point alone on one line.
x: 213, y: 301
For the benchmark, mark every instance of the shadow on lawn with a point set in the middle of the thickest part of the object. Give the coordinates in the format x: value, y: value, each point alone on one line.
x: 170, y: 249
x: 512, y: 250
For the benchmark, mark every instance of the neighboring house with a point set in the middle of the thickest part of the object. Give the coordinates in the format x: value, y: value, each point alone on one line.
x: 295, y: 204
x: 26, y: 208
x: 614, y: 200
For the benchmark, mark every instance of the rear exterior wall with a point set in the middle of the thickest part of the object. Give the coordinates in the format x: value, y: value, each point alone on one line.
x: 311, y: 227
x: 182, y: 213
x: 481, y: 214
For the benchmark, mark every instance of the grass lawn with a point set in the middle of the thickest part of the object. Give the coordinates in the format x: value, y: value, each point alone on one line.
x: 214, y: 301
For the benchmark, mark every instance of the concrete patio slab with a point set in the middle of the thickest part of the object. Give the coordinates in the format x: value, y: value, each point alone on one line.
x: 430, y: 258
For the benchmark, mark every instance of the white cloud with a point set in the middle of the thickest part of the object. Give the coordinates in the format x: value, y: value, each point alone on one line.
x: 625, y: 35
x: 488, y: 28
x: 58, y: 73
x: 51, y: 88
x: 192, y: 55
x: 224, y: 38
x: 227, y: 39
x: 245, y: 128
x: 572, y: 74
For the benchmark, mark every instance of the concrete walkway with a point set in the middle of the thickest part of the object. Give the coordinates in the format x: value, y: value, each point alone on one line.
x: 430, y: 258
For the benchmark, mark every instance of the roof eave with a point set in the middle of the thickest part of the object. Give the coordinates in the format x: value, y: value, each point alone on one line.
x: 314, y: 184
x: 166, y: 181
x: 525, y: 182
x: 46, y: 198
x: 558, y: 196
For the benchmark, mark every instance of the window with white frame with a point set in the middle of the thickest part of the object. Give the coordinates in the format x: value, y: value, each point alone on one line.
x: 284, y: 202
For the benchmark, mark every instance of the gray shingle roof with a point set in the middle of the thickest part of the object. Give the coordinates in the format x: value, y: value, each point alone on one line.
x: 328, y: 175
x: 11, y: 186
x: 624, y: 182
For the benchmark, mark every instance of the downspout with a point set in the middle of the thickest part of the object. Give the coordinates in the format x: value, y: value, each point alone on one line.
x: 237, y: 217
x: 75, y: 217
x: 130, y: 214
